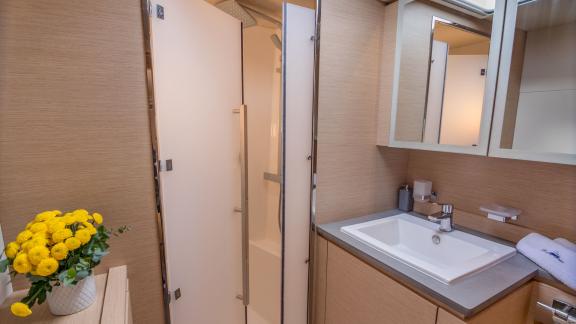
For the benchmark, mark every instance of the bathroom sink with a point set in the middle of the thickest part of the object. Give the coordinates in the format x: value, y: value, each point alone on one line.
x: 445, y: 256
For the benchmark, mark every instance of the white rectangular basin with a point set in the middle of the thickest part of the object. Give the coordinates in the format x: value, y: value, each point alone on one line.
x: 412, y: 240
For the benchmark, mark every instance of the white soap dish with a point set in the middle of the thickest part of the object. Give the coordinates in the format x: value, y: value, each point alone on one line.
x: 500, y: 213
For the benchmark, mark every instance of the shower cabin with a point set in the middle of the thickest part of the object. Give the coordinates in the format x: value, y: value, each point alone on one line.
x: 232, y: 85
x: 262, y: 70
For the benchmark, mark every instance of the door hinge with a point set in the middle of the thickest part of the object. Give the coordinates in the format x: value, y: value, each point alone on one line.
x: 166, y: 165
x: 177, y: 294
x: 174, y: 295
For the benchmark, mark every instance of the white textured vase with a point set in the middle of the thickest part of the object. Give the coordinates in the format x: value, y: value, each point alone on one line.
x: 72, y: 299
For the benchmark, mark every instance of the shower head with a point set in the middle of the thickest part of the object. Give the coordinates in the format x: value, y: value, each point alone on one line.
x: 234, y: 9
x: 276, y: 40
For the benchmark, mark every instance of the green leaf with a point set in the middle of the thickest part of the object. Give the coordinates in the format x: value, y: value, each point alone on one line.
x: 62, y: 275
x: 68, y: 281
x: 41, y: 296
x: 82, y: 274
x: 71, y: 273
x: 4, y: 265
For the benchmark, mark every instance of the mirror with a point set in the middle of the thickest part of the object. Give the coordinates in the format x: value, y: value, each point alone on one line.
x: 536, y: 117
x: 456, y: 78
x: 445, y: 78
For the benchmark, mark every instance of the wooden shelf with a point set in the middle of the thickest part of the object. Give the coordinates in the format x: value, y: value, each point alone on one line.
x: 112, y: 305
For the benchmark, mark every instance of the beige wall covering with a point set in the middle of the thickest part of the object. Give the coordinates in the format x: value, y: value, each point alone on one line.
x: 544, y: 191
x: 355, y: 177
x: 74, y: 129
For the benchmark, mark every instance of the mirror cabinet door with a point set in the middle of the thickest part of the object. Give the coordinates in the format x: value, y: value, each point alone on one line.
x: 535, y: 112
x: 445, y: 76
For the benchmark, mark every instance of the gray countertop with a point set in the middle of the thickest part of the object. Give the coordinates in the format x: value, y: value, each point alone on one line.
x: 465, y: 297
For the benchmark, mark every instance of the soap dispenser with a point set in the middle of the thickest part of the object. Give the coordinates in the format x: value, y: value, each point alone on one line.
x: 405, y: 199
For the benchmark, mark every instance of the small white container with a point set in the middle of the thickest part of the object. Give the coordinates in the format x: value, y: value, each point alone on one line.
x: 422, y: 190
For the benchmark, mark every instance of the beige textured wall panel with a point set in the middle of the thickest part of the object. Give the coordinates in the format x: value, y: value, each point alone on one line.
x: 544, y: 191
x: 74, y: 128
x: 355, y: 177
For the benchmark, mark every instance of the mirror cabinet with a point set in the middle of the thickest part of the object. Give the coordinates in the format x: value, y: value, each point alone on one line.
x: 483, y: 77
x: 535, y: 108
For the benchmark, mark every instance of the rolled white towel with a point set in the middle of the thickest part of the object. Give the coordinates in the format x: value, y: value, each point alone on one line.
x: 553, y: 257
x: 565, y: 243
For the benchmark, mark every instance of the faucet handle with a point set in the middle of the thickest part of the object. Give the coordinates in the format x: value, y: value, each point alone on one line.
x: 447, y: 208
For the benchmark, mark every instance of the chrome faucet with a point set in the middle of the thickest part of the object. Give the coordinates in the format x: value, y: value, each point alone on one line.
x: 444, y: 218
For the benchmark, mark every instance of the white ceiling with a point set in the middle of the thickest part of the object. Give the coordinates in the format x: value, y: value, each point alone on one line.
x: 272, y: 8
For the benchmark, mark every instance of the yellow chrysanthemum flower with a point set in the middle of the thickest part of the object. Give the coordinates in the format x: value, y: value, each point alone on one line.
x: 42, y: 217
x: 56, y: 224
x: 72, y: 243
x: 20, y: 309
x: 12, y: 249
x: 90, y: 228
x: 69, y: 219
x: 21, y: 263
x: 83, y: 235
x: 81, y: 215
x: 59, y: 251
x: 38, y: 227
x: 38, y: 241
x: 37, y: 254
x: 24, y: 236
x: 26, y: 246
x: 30, y: 224
x: 98, y: 218
x: 61, y: 235
x: 47, y: 267
x: 41, y: 234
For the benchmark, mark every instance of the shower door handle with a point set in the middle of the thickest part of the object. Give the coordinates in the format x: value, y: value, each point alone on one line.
x: 244, y: 204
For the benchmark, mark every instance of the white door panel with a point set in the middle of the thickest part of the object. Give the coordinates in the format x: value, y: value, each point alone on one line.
x: 299, y: 25
x: 196, y: 52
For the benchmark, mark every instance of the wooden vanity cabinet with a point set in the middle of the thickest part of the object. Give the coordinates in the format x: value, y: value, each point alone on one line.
x: 357, y: 293
x: 349, y: 291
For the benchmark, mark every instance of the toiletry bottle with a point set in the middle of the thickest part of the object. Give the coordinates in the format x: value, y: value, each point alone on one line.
x: 405, y: 200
